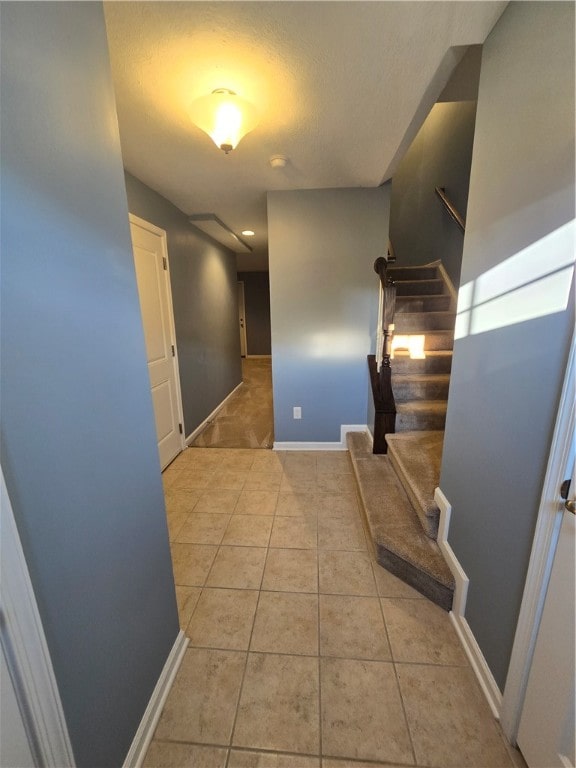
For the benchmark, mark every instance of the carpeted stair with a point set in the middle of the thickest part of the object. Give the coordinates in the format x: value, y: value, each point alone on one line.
x: 397, y: 489
x: 400, y: 544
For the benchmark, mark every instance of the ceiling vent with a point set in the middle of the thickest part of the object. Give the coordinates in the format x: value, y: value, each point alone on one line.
x: 211, y: 225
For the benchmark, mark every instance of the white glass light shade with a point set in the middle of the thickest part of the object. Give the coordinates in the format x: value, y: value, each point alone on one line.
x: 224, y: 116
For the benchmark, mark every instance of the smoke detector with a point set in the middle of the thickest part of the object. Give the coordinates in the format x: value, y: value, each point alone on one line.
x: 278, y: 161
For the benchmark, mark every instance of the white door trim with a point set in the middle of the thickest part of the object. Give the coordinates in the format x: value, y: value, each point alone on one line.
x: 242, y: 306
x: 164, y: 239
x: 543, y: 549
x: 26, y: 650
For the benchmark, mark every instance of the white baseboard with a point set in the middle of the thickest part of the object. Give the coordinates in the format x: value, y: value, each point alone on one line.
x: 318, y: 446
x: 193, y: 435
x: 145, y: 731
x: 262, y: 357
x: 463, y: 630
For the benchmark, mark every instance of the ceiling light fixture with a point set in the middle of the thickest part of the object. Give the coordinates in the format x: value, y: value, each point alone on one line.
x: 248, y: 232
x: 225, y: 117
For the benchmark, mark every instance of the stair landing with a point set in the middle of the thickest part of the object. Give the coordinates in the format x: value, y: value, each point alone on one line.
x: 400, y: 544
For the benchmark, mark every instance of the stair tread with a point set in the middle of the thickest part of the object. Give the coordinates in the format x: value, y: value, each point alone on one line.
x: 394, y: 526
x: 438, y: 406
x: 419, y: 457
x: 433, y: 377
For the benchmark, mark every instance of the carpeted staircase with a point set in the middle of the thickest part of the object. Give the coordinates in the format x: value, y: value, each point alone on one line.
x: 397, y: 489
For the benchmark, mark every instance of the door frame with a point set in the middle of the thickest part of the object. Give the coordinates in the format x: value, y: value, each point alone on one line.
x: 164, y: 244
x: 542, y: 557
x: 26, y: 651
x: 243, y: 335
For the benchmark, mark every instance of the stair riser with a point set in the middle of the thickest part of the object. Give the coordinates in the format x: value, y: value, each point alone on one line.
x: 418, y: 421
x: 420, y: 322
x: 404, y: 392
x: 419, y: 287
x: 432, y: 303
x: 408, y: 573
x: 439, y: 340
x: 413, y: 273
x: 405, y: 364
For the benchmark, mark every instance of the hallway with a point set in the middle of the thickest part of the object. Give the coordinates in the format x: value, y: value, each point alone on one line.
x: 304, y: 653
x: 247, y: 418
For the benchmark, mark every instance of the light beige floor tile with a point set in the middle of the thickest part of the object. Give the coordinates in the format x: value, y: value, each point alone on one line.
x: 169, y: 477
x: 389, y: 585
x: 201, y: 528
x: 223, y: 618
x: 279, y: 708
x: 352, y: 627
x: 237, y: 461
x: 300, y: 461
x: 192, y: 479
x: 228, y: 480
x: 286, y: 623
x: 268, y: 461
x: 331, y: 762
x: 199, y: 458
x: 217, y: 502
x: 263, y: 481
x: 450, y: 722
x: 247, y: 759
x: 164, y: 754
x: 297, y: 504
x: 248, y: 531
x: 298, y: 482
x: 191, y: 563
x: 294, y: 533
x: 237, y: 568
x: 338, y: 533
x: 176, y: 522
x: 291, y: 570
x: 186, y: 597
x: 336, y: 462
x: 420, y: 631
x: 256, y: 503
x: 202, y: 701
x: 181, y: 501
x: 337, y: 505
x: 346, y: 573
x: 362, y: 715
x: 335, y: 483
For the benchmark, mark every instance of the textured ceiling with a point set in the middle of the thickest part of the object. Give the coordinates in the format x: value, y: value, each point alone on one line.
x: 341, y: 87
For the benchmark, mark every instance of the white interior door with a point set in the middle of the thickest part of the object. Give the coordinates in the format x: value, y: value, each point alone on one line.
x: 242, y: 318
x: 152, y: 275
x: 546, y: 736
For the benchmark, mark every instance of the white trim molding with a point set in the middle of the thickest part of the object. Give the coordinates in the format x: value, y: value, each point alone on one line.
x: 544, y: 544
x: 466, y: 636
x: 319, y: 446
x: 259, y: 357
x: 143, y: 736
x: 26, y: 650
x: 193, y: 435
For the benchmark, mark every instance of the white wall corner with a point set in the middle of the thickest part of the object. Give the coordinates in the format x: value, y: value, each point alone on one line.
x: 466, y: 636
x: 345, y: 428
x: 143, y: 736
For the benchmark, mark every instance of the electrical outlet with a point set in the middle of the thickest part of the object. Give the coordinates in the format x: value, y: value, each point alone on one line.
x: 297, y: 412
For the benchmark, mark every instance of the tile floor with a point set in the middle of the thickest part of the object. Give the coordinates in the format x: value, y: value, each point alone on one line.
x: 304, y: 653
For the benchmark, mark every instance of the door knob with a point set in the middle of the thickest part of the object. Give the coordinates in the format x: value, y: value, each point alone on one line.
x: 571, y: 506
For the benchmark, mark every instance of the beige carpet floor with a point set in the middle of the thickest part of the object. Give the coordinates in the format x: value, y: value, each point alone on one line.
x: 247, y: 419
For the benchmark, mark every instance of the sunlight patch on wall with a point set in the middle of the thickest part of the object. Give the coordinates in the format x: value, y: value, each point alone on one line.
x: 535, y: 282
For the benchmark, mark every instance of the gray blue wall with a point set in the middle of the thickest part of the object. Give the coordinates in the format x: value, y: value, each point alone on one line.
x: 509, y: 363
x: 204, y: 295
x: 257, y: 307
x: 421, y: 230
x: 324, y: 302
x: 78, y: 439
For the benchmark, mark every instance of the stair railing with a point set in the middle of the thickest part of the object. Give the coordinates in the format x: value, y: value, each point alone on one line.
x: 441, y: 192
x: 379, y: 364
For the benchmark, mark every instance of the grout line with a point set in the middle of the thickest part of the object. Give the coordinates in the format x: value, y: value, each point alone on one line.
x: 320, y: 744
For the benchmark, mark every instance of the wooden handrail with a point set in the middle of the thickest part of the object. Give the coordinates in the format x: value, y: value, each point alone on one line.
x: 441, y: 192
